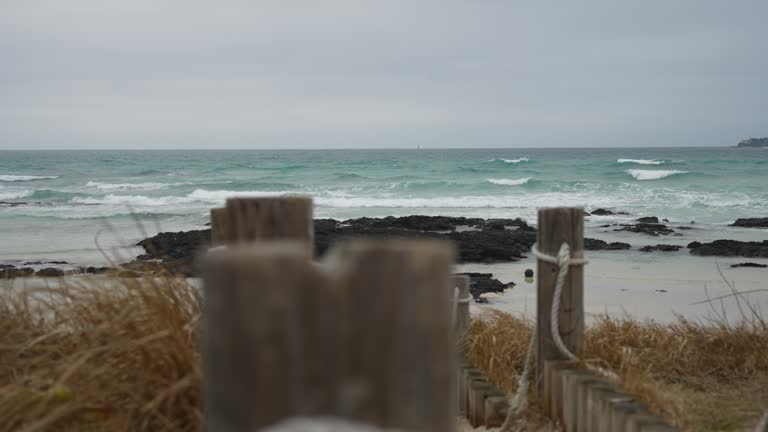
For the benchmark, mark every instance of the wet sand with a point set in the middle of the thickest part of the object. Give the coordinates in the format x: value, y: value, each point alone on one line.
x: 654, y: 286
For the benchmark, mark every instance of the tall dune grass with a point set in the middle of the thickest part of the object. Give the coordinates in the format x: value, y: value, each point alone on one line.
x: 698, y: 375
x: 118, y: 354
x: 112, y: 355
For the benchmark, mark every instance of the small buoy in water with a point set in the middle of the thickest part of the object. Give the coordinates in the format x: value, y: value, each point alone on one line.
x: 529, y: 273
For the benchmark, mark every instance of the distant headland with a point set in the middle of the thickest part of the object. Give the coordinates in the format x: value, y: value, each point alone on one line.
x: 753, y: 142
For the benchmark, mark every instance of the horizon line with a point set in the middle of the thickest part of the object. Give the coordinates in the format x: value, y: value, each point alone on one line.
x: 360, y: 148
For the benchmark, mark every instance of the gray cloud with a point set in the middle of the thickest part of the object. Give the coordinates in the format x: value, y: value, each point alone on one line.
x: 277, y: 74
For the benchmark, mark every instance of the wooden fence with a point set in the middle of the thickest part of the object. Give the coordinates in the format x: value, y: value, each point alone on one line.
x: 367, y: 333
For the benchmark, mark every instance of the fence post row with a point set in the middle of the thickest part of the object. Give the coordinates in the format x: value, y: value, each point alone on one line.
x: 363, y: 335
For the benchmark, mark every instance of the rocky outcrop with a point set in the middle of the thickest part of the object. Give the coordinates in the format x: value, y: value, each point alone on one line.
x: 11, y: 272
x: 604, y: 212
x: 481, y: 283
x: 730, y: 248
x: 477, y: 240
x: 751, y: 223
x: 652, y: 229
x: 753, y: 142
x: 648, y: 219
x: 749, y: 264
x: 595, y: 245
x: 50, y: 272
x: 661, y: 248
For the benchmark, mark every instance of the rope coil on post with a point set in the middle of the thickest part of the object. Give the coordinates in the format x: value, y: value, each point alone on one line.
x: 563, y: 261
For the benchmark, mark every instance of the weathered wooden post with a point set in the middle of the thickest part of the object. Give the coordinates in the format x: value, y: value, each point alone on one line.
x: 221, y: 228
x: 270, y: 340
x: 555, y: 227
x: 400, y: 343
x: 249, y: 219
x: 462, y: 307
x: 365, y: 335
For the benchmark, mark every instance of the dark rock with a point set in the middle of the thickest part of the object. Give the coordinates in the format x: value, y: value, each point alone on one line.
x: 605, y: 226
x: 661, y: 248
x: 494, y: 226
x: 732, y: 248
x: 594, y: 244
x: 50, y: 272
x: 661, y: 290
x: 618, y: 246
x: 647, y: 228
x: 528, y: 273
x: 13, y: 272
x: 749, y: 264
x: 6, y: 266
x: 665, y: 220
x: 491, y: 246
x: 685, y: 228
x: 481, y: 283
x: 694, y: 245
x: 170, y: 246
x: 97, y: 270
x: 648, y: 219
x: 751, y: 223
x: 493, y: 240
x: 604, y: 212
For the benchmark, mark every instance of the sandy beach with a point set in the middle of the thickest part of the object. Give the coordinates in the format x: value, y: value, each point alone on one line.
x: 639, y: 285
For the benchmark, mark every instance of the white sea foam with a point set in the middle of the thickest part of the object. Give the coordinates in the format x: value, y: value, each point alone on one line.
x: 199, y: 196
x: 129, y: 186
x: 8, y: 194
x: 640, y: 161
x: 653, y: 174
x: 22, y: 178
x: 509, y: 182
x: 511, y: 161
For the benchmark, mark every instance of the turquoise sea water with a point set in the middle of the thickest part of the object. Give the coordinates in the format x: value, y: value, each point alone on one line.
x: 54, y: 202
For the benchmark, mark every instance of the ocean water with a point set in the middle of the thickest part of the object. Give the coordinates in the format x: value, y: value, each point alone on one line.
x: 61, y: 203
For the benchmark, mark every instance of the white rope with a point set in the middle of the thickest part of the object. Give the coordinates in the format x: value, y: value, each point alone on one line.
x: 563, y: 261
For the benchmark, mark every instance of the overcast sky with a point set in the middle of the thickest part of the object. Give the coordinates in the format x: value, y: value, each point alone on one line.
x: 386, y: 73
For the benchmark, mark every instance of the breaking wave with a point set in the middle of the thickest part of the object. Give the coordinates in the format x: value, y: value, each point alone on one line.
x: 509, y: 182
x: 22, y: 178
x: 640, y: 161
x: 129, y: 186
x: 510, y: 161
x: 653, y: 174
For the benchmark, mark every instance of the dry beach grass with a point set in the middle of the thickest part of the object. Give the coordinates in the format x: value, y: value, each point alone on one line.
x: 122, y: 354
x: 699, y: 375
x: 114, y: 356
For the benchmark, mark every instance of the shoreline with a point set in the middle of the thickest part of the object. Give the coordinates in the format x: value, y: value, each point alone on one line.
x: 620, y: 279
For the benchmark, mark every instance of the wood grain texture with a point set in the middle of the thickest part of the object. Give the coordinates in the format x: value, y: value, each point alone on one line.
x: 556, y: 226
x: 269, y: 349
x: 400, y: 341
x: 271, y: 218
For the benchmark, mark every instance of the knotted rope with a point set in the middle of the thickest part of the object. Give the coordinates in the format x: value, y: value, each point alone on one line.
x: 563, y: 261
